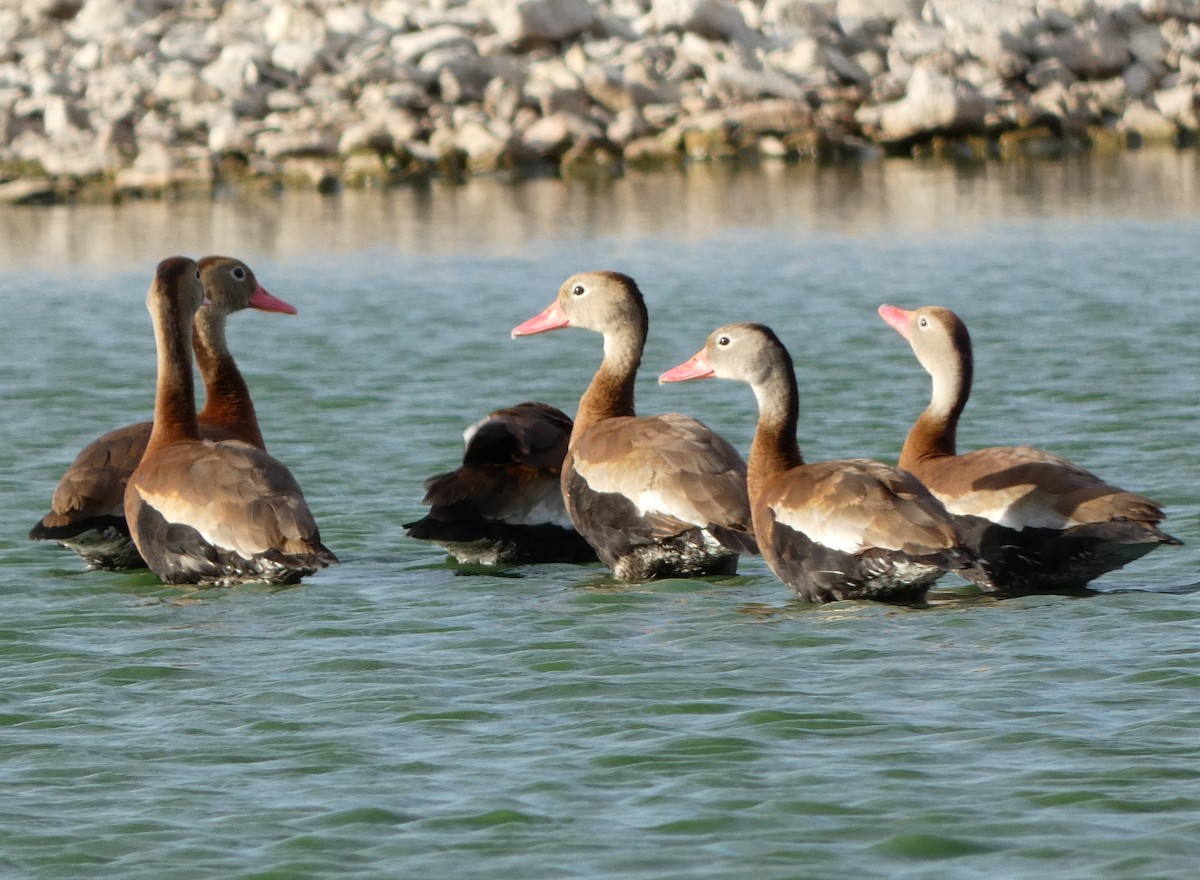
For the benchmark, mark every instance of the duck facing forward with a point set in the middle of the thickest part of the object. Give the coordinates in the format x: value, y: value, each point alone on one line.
x: 87, y: 512
x: 504, y: 504
x: 204, y: 512
x: 851, y: 529
x: 1038, y: 522
x: 656, y: 496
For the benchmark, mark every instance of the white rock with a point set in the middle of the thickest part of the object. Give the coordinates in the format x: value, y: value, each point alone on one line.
x: 479, y: 142
x: 236, y: 68
x: 799, y: 16
x: 745, y: 83
x: 472, y: 17
x: 353, y: 21
x: 396, y: 14
x: 626, y: 126
x: 411, y: 48
x: 294, y: 23
x: 155, y: 127
x: 1077, y: 10
x: 805, y: 58
x: 1055, y: 99
x: 366, y: 135
x: 1049, y: 70
x: 179, y: 81
x: 88, y: 57
x: 64, y: 123
x: 99, y: 19
x: 1017, y: 17
x: 1148, y: 122
x: 304, y: 60
x: 227, y: 133
x: 1090, y: 51
x: 932, y: 103
x: 913, y: 39
x: 1102, y: 97
x: 615, y: 28
x: 296, y: 141
x: 33, y: 191
x: 874, y: 16
x: 519, y: 21
x: 712, y: 19
x: 548, y: 137
x: 1180, y: 105
x: 188, y: 40
x: 1009, y: 55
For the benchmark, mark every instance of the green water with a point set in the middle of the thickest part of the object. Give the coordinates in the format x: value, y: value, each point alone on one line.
x: 392, y: 717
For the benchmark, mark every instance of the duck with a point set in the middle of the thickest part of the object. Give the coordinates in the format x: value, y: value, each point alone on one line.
x: 504, y: 505
x: 830, y: 530
x: 87, y: 512
x: 201, y: 511
x: 656, y: 496
x: 1039, y: 522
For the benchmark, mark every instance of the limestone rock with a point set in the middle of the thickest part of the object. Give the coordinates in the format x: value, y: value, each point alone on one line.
x: 712, y: 19
x: 523, y: 21
x: 933, y: 102
x: 1148, y: 123
x: 1093, y: 52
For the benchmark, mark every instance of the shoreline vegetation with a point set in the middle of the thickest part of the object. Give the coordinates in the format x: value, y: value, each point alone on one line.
x: 111, y: 99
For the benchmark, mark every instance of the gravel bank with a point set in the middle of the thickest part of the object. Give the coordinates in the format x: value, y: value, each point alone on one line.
x: 156, y: 96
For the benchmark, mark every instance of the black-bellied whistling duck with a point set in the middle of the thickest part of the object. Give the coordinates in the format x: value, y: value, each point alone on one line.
x: 1037, y: 521
x: 657, y: 496
x: 854, y: 529
x: 504, y: 505
x: 204, y: 512
x: 87, y: 513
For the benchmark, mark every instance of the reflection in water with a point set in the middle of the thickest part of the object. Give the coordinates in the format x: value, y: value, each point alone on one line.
x: 895, y: 195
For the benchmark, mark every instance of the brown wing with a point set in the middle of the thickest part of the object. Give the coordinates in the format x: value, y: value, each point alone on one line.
x: 94, y: 484
x: 235, y: 495
x: 856, y: 505
x: 1022, y: 487
x: 533, y: 434
x: 517, y: 494
x: 671, y: 467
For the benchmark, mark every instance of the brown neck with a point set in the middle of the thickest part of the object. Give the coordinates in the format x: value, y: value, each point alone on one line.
x: 611, y: 393
x: 174, y: 397
x: 934, y: 435
x: 227, y: 401
x: 775, y: 448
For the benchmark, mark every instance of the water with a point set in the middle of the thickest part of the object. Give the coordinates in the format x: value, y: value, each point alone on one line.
x: 393, y: 718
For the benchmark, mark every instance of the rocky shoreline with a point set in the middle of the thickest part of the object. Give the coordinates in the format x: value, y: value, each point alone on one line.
x: 102, y: 98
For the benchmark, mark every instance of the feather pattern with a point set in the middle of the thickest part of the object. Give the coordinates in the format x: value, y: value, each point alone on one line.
x: 853, y: 529
x: 657, y: 496
x: 87, y: 513
x: 1037, y: 522
x: 201, y: 511
x: 504, y: 504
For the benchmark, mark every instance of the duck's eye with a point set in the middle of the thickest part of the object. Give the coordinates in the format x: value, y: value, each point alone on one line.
x: 723, y: 340
x: 578, y: 290
x: 239, y: 273
x: 923, y: 322
x: 197, y: 273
